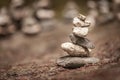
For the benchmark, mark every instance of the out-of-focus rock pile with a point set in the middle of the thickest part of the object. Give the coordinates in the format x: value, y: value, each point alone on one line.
x: 103, y: 11
x: 26, y: 19
x: 80, y: 48
x: 38, y: 17
x: 34, y: 18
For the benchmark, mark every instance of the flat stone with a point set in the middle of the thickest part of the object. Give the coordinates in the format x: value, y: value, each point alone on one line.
x: 81, y: 32
x: 84, y: 42
x: 74, y: 50
x: 76, y: 62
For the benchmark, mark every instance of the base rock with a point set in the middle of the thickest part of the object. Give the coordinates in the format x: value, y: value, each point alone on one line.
x: 76, y: 62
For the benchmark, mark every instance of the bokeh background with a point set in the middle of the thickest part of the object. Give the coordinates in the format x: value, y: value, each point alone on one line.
x: 33, y: 57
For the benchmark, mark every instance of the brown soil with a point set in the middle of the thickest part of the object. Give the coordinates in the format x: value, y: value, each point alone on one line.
x: 33, y: 57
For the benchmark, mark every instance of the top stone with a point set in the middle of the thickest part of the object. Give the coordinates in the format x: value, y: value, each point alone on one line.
x: 80, y: 21
x: 77, y: 22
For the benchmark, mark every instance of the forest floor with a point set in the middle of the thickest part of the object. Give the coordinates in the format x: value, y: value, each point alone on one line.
x: 34, y: 57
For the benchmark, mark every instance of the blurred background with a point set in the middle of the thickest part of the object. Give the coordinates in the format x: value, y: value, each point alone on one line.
x: 31, y: 31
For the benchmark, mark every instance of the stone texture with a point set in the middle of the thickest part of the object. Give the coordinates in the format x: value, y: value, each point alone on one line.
x: 74, y: 50
x: 84, y: 42
x: 76, y: 62
x: 81, y: 32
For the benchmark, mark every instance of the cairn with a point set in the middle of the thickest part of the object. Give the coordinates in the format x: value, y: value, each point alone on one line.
x: 80, y: 48
x: 100, y: 11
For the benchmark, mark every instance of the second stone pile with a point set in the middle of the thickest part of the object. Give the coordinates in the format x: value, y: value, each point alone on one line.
x: 80, y: 48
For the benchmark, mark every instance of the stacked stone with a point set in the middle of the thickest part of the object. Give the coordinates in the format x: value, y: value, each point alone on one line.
x: 80, y: 48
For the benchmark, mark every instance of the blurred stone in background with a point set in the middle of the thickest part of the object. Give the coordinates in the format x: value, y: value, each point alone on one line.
x: 30, y: 25
x: 44, y: 14
x: 102, y: 11
x: 6, y: 24
x: 47, y: 13
x: 116, y: 7
x: 70, y: 11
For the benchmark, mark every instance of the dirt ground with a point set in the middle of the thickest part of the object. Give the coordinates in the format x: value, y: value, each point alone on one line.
x: 34, y: 57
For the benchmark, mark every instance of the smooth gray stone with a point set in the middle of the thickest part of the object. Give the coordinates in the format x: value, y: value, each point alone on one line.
x: 84, y: 42
x: 76, y: 62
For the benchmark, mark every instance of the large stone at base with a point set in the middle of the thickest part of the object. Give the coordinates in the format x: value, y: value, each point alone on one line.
x: 76, y: 62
